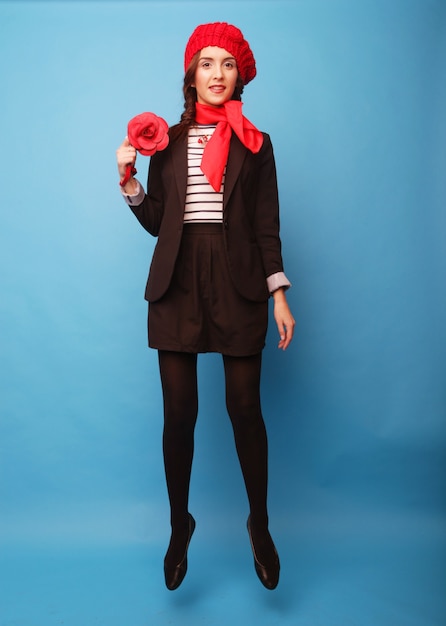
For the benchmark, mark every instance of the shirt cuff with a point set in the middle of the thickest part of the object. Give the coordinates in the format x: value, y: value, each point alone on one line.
x: 276, y: 281
x: 135, y: 198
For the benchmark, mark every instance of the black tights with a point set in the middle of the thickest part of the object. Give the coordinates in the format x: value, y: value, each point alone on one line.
x: 179, y: 383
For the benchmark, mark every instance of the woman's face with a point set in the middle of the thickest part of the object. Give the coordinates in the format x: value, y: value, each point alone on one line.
x: 215, y: 76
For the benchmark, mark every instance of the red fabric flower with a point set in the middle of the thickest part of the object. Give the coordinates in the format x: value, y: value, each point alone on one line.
x: 148, y: 133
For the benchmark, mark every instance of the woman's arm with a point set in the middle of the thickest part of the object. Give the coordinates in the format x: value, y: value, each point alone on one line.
x: 284, y: 319
x: 267, y: 233
x: 147, y: 208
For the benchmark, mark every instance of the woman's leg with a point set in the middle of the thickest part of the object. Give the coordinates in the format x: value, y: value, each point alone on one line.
x: 178, y: 372
x: 243, y: 404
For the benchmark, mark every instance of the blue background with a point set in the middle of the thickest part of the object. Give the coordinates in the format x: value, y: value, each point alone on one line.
x: 353, y: 94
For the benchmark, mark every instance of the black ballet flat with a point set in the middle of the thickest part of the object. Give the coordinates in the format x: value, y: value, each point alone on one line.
x: 174, y: 576
x: 268, y: 574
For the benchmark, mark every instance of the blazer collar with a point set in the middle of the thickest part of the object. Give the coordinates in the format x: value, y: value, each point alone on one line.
x: 179, y: 160
x: 237, y: 154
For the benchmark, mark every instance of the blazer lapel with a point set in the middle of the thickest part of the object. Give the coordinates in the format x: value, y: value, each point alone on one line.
x: 179, y: 161
x: 237, y: 154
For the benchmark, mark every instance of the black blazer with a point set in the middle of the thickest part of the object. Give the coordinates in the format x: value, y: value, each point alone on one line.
x: 250, y: 216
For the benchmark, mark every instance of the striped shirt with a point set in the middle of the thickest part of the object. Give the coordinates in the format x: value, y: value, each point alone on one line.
x: 203, y: 204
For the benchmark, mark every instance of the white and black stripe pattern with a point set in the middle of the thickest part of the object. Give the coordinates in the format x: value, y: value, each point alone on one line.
x: 203, y: 204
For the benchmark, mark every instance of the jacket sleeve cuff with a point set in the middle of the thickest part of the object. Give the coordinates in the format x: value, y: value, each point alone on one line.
x: 276, y: 281
x: 135, y: 198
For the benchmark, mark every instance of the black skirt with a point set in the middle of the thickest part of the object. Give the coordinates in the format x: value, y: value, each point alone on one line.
x: 202, y: 311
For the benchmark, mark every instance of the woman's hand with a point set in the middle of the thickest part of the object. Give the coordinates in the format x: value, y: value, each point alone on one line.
x: 284, y: 320
x: 126, y: 155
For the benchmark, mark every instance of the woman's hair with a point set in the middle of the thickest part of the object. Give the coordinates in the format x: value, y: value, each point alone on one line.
x: 190, y: 98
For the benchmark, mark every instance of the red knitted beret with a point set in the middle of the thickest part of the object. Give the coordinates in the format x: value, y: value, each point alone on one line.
x: 224, y: 36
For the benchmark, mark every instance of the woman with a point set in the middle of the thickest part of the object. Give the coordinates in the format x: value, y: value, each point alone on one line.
x: 212, y: 202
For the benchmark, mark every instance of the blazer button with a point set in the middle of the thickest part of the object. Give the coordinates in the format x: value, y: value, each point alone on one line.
x: 225, y: 224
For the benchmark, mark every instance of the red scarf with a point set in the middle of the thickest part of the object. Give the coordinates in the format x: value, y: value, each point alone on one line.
x: 229, y: 118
